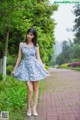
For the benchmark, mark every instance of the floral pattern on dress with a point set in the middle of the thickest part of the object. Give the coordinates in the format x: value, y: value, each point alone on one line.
x: 30, y: 69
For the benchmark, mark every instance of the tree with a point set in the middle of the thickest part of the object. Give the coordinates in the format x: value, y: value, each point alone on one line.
x: 38, y: 14
x: 76, y: 51
x: 76, y: 27
x: 66, y: 54
x: 10, y: 16
x: 17, y: 16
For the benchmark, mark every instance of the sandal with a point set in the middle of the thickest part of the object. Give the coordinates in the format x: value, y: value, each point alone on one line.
x: 28, y: 113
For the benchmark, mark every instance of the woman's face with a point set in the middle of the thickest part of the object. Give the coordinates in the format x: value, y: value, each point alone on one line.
x: 30, y: 36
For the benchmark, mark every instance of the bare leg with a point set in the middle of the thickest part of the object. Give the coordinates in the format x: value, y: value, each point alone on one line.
x: 30, y: 90
x: 35, y: 88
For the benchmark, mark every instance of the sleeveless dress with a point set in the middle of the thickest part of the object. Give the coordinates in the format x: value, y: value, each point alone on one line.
x: 30, y: 69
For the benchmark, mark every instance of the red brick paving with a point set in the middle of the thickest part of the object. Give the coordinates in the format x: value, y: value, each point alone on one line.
x: 61, y: 99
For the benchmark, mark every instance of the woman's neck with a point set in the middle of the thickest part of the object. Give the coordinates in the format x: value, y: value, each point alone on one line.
x: 29, y: 42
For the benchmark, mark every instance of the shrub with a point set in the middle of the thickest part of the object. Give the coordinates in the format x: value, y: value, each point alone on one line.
x: 11, y: 60
x: 9, y: 69
x: 56, y: 66
x: 1, y: 76
x: 74, y: 64
x: 46, y: 67
x: 64, y: 65
x: 12, y: 97
x: 75, y: 60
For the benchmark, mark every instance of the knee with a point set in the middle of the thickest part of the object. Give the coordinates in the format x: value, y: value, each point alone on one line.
x: 35, y: 89
x: 30, y: 91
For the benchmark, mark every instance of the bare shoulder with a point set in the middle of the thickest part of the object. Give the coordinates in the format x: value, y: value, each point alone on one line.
x: 37, y: 46
x: 20, y: 44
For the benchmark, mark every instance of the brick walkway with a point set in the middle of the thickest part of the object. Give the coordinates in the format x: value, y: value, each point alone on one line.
x: 61, y: 99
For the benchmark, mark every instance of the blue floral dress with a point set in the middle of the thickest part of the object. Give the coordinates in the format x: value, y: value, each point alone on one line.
x: 30, y: 69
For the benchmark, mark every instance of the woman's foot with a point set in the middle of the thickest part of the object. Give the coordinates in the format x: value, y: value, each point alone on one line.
x: 34, y: 112
x: 28, y: 112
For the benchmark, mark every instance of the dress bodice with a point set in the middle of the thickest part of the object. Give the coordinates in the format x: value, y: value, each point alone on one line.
x: 28, y: 52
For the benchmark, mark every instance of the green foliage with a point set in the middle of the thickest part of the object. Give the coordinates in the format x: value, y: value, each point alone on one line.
x: 13, y: 97
x: 76, y: 51
x: 75, y: 60
x: 56, y: 66
x: 47, y: 67
x: 1, y: 76
x: 76, y: 27
x: 65, y: 55
x: 9, y: 69
x: 59, y: 59
x: 77, y: 68
x: 64, y: 65
x: 11, y: 59
x: 70, y: 53
x: 21, y: 15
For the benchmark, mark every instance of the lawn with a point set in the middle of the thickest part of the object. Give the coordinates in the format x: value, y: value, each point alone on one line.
x: 13, y: 97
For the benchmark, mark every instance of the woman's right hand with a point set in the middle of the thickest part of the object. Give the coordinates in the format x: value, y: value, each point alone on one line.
x: 12, y: 73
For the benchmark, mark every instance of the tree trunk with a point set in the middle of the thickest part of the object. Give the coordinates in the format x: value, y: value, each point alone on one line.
x: 1, y: 65
x: 5, y: 55
x: 1, y: 59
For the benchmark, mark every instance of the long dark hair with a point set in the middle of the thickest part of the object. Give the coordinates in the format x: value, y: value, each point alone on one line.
x: 34, y: 40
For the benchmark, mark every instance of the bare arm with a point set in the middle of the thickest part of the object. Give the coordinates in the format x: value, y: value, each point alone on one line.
x: 19, y: 58
x: 38, y: 55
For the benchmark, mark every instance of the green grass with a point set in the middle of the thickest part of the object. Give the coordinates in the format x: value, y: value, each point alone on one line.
x: 75, y: 68
x: 72, y: 68
x: 13, y: 97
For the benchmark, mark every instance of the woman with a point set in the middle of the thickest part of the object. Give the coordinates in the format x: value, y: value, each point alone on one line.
x: 31, y: 68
